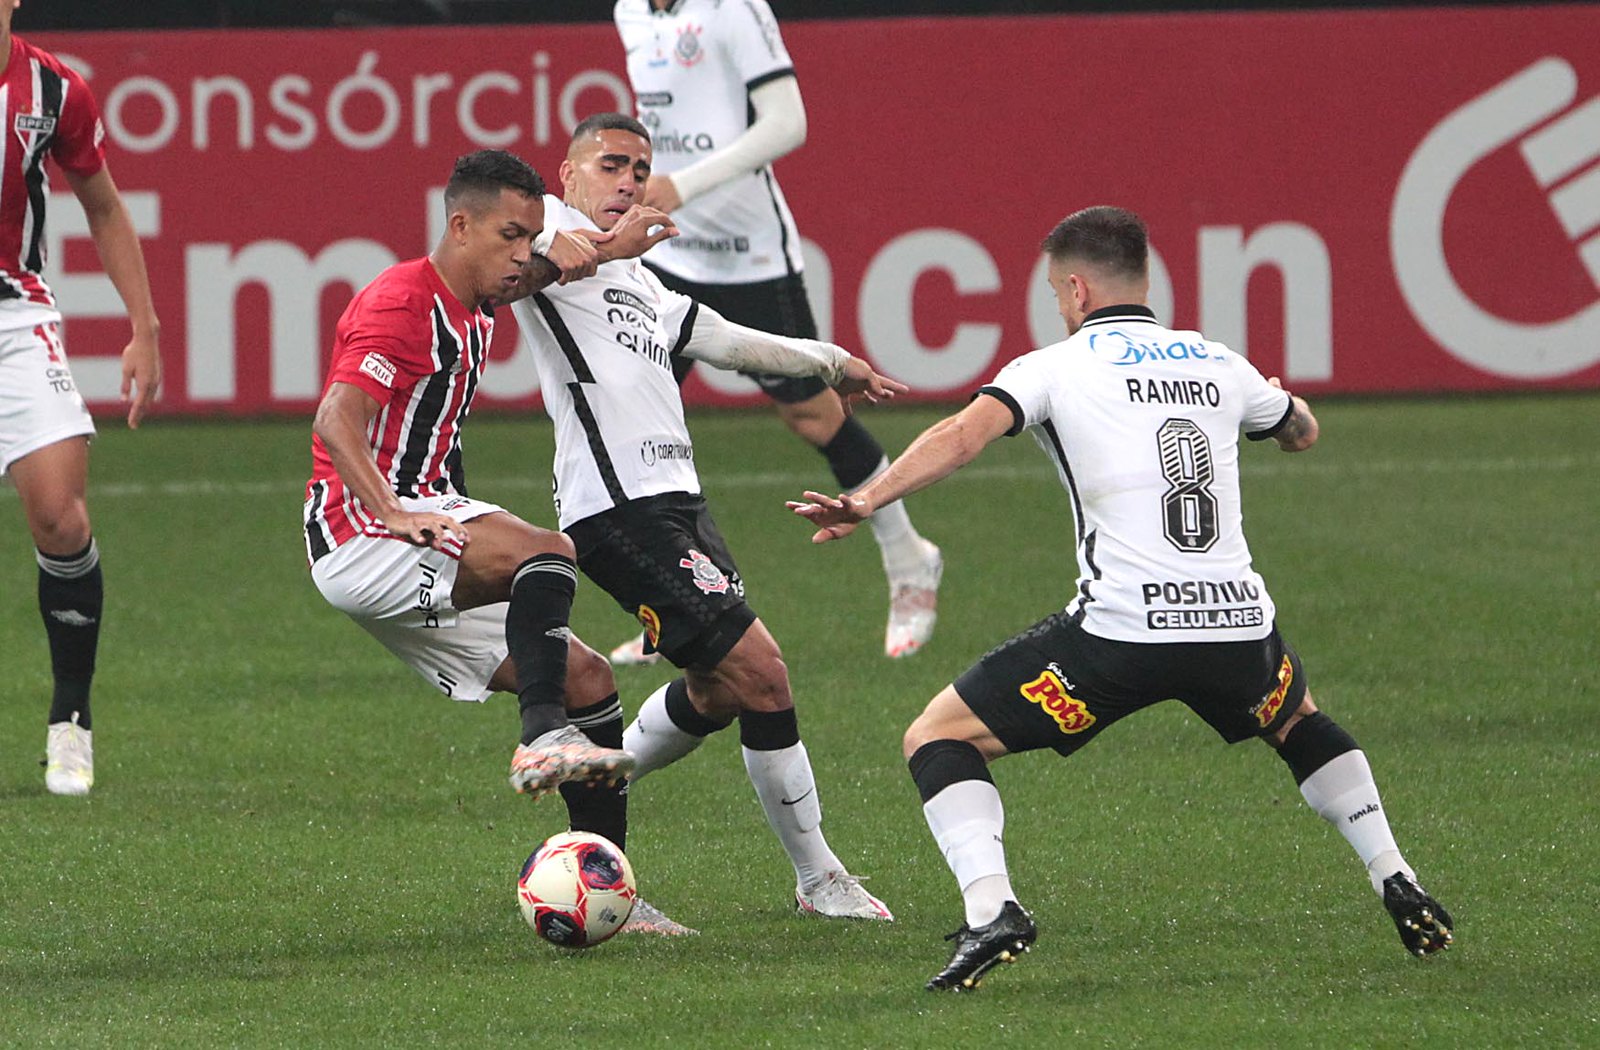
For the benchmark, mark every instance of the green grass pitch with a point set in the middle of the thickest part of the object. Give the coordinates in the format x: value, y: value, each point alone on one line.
x: 294, y: 841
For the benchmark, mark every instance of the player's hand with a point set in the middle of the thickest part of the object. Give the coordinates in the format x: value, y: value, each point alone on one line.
x: 640, y: 229
x: 660, y: 192
x: 141, y: 374
x: 575, y: 255
x: 426, y: 529
x: 835, y: 518
x: 860, y: 381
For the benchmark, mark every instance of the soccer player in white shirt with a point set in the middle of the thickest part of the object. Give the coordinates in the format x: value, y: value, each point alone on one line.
x: 628, y: 496
x: 1142, y: 424
x: 715, y: 86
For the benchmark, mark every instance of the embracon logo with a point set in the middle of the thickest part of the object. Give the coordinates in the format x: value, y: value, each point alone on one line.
x: 1564, y: 159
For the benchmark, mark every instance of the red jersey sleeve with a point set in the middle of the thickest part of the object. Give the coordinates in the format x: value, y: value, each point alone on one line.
x: 79, y: 142
x: 384, y: 345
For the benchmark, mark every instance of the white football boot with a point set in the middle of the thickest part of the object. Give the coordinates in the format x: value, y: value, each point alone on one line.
x: 563, y: 755
x: 840, y: 895
x: 913, y: 605
x: 631, y: 653
x: 69, y: 759
x: 647, y: 918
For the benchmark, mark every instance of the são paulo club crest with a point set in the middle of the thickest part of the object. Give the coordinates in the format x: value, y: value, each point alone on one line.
x: 707, y: 576
x: 689, y: 50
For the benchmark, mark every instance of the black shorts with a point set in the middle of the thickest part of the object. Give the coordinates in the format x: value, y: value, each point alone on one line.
x: 778, y: 306
x: 664, y: 561
x: 1056, y: 685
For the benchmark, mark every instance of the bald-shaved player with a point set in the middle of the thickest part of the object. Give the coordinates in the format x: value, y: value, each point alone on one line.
x: 1142, y: 424
x: 628, y: 495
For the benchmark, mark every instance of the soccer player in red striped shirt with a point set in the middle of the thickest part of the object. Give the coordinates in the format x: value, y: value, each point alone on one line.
x: 44, y: 426
x: 471, y: 597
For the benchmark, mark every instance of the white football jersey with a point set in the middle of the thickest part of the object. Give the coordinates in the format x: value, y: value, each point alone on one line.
x: 1143, y: 424
x: 692, y: 67
x: 604, y: 348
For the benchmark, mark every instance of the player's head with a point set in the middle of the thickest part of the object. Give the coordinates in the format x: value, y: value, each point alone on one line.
x: 494, y: 208
x: 1099, y: 256
x: 607, y: 166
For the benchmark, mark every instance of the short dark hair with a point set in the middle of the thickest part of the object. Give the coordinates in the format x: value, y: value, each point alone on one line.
x: 609, y: 122
x: 1113, y: 239
x: 487, y: 172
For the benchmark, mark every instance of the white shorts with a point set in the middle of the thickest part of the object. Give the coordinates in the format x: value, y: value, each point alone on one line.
x: 39, y: 402
x: 401, y: 594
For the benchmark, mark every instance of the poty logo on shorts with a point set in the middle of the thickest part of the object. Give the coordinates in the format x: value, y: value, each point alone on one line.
x: 1563, y: 157
x: 1268, y: 708
x: 1050, y: 693
x: 651, y: 621
x: 379, y: 367
x: 707, y: 576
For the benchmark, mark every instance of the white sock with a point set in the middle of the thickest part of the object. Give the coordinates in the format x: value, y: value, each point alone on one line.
x: 968, y: 822
x: 653, y: 739
x: 1344, y: 794
x: 898, y: 540
x: 788, y: 794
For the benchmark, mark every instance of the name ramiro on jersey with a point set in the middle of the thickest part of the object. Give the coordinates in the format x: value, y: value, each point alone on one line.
x: 1174, y: 392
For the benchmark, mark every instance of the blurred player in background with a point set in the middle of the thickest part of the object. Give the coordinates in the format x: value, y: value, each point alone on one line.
x: 1142, y: 424
x: 628, y: 495
x: 717, y: 91
x: 469, y: 596
x: 44, y: 426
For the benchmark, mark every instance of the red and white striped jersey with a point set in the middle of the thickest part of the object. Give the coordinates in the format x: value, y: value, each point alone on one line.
x: 48, y: 112
x: 406, y: 340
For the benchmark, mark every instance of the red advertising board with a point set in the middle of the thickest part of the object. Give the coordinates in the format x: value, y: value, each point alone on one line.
x: 1359, y: 200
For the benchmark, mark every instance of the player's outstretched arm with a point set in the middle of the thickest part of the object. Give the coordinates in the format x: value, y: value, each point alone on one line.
x: 341, y: 423
x: 1300, y: 431
x: 938, y: 452
x: 640, y: 229
x: 734, y: 347
x: 117, y: 243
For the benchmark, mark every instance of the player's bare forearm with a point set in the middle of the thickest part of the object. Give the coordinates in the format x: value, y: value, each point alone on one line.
x: 341, y: 423
x: 117, y: 243
x: 938, y: 452
x: 539, y: 274
x: 1300, y: 431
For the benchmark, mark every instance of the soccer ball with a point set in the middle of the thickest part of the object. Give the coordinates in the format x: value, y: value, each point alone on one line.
x: 576, y: 889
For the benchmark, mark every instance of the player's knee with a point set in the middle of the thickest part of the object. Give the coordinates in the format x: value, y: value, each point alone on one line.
x: 62, y: 528
x: 589, y: 677
x: 816, y: 420
x: 923, y: 730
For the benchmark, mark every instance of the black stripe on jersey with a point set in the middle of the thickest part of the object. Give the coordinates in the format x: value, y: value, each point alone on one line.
x: 569, y: 345
x: 597, y: 444
x: 688, y: 330
x: 453, y: 468
x: 1018, y: 418
x: 767, y: 78
x: 1094, y: 574
x: 429, y: 406
x: 1283, y: 421
x: 49, y: 103
x: 316, y: 544
x: 783, y: 227
x: 1066, y: 471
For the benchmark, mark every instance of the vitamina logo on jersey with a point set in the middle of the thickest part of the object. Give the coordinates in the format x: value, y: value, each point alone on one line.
x: 1268, y: 708
x: 1050, y: 693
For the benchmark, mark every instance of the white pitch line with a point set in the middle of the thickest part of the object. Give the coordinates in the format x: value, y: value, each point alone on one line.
x: 796, y: 480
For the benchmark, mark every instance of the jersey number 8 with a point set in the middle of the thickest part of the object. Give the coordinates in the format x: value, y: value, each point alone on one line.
x: 1189, y: 510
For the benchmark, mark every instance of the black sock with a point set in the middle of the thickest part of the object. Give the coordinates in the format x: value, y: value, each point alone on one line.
x: 681, y: 711
x: 536, y: 634
x: 938, y: 764
x: 71, y: 596
x: 1314, y: 741
x: 853, y: 455
x: 599, y: 808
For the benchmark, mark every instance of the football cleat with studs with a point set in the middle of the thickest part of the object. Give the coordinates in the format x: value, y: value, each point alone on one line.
x: 980, y: 950
x: 1423, y: 923
x: 840, y: 895
x: 914, y: 606
x: 564, y: 755
x: 634, y: 653
x: 647, y: 918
